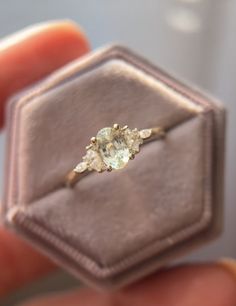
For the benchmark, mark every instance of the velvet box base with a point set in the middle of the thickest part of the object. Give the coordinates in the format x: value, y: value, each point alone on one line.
x: 114, y: 228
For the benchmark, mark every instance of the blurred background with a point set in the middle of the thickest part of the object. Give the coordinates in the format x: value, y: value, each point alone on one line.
x: 193, y: 39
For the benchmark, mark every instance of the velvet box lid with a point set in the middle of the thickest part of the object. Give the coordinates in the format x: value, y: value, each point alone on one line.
x: 113, y: 228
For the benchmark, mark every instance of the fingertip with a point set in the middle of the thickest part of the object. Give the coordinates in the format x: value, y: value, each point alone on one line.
x: 202, y: 284
x: 34, y: 52
x: 73, y: 27
x: 184, y: 285
x: 20, y: 263
x: 67, y: 27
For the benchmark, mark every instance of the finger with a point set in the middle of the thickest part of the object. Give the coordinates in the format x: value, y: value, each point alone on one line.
x: 25, y: 58
x: 209, y: 284
x: 19, y: 263
x: 31, y: 54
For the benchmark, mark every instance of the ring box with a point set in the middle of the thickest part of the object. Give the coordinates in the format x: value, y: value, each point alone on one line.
x: 114, y: 228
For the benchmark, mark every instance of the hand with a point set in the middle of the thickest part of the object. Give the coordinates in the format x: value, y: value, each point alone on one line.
x: 25, y: 58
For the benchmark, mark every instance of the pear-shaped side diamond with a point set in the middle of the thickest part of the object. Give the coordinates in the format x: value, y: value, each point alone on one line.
x: 146, y: 133
x: 133, y: 140
x: 94, y: 161
x: 81, y: 167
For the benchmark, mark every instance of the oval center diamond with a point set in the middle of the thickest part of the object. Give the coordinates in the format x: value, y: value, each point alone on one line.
x: 113, y: 148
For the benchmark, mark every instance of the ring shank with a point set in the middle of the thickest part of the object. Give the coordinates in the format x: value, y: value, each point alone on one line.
x: 73, y: 177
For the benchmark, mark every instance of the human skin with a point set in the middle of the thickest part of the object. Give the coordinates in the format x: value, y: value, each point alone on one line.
x: 25, y: 58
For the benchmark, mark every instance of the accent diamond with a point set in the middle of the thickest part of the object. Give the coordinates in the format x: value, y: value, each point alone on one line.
x: 81, y: 167
x: 133, y: 139
x: 146, y: 133
x: 94, y: 161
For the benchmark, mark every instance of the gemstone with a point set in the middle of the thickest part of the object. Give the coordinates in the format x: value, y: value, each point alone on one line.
x: 113, y: 148
x: 93, y: 160
x: 133, y: 139
x: 146, y: 133
x: 81, y: 167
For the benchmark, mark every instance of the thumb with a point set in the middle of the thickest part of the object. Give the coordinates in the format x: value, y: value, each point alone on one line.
x: 31, y: 54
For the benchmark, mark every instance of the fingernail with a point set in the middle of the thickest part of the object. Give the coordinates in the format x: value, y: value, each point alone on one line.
x: 25, y: 33
x: 228, y: 264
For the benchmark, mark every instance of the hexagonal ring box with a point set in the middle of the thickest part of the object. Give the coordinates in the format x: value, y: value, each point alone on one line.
x: 113, y: 228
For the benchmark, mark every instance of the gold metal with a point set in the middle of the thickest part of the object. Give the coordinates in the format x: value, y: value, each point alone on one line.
x: 89, y: 146
x: 109, y: 168
x: 132, y: 156
x: 82, y: 168
x: 159, y: 131
x: 93, y: 140
x: 116, y: 126
x: 124, y: 128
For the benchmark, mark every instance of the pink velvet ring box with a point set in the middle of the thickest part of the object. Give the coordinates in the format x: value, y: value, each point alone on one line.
x: 114, y: 228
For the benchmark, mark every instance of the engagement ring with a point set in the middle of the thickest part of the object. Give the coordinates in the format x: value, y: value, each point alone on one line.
x: 111, y: 149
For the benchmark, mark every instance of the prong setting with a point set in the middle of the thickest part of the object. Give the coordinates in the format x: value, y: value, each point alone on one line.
x: 93, y: 140
x: 124, y: 128
x: 89, y: 146
x: 109, y: 168
x: 116, y: 126
x: 132, y: 155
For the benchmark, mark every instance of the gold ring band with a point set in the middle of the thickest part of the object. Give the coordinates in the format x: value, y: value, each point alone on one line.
x: 111, y: 149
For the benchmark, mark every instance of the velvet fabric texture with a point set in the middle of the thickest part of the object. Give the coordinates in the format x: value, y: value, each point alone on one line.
x: 113, y: 228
